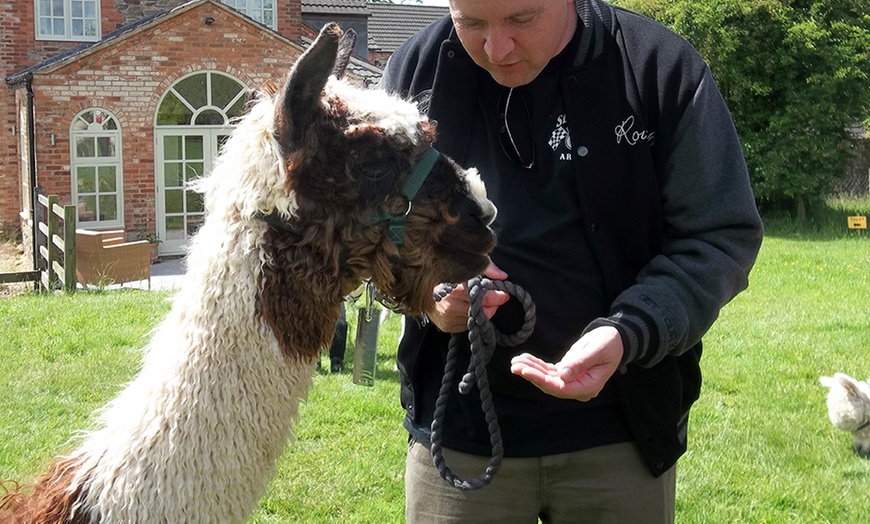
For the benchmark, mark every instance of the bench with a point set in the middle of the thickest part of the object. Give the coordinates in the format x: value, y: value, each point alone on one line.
x: 105, y: 258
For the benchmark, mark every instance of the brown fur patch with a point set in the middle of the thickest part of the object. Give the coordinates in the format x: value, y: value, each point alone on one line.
x: 49, y: 500
x: 300, y: 293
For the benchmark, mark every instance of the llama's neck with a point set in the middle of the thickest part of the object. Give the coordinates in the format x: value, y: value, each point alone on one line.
x: 196, y: 435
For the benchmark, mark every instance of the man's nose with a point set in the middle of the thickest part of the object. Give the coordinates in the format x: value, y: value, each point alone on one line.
x: 498, y: 45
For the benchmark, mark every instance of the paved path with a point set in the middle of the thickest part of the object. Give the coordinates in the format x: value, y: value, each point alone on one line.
x: 166, y: 274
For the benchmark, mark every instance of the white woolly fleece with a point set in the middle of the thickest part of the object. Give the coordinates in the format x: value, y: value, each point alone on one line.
x: 214, y: 402
x: 376, y: 106
x: 249, y: 178
x: 848, y: 401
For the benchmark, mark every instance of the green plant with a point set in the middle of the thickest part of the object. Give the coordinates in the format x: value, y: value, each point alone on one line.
x: 150, y: 236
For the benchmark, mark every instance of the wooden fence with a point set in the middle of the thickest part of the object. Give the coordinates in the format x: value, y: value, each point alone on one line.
x: 55, y: 247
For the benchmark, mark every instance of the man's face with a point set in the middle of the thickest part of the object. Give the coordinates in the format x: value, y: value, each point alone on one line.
x: 513, y: 39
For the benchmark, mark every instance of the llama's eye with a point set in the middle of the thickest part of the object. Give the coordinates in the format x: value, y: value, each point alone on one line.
x: 375, y: 178
x: 374, y: 170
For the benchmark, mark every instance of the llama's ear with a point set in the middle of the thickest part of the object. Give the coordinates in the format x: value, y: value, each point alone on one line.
x: 298, y: 104
x: 345, y: 48
x: 843, y: 378
x: 849, y: 384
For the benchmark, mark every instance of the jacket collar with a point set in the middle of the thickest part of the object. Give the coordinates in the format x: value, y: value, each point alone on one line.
x: 595, y: 22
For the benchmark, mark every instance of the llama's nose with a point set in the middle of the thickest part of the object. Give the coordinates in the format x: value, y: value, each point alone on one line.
x: 488, y: 211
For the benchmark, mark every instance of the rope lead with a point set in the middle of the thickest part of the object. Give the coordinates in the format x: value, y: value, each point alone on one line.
x: 483, y: 338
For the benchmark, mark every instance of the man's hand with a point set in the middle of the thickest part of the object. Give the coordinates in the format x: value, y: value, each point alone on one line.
x: 451, y: 312
x: 582, y: 372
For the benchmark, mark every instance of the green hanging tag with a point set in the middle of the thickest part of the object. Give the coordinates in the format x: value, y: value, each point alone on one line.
x: 365, y: 356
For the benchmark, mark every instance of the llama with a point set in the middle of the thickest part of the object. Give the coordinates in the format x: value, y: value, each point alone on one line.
x: 849, y: 409
x: 321, y: 186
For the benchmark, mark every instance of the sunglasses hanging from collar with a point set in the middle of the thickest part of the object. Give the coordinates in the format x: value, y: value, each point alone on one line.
x: 515, y: 134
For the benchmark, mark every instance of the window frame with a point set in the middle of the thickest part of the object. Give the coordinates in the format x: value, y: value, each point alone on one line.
x: 197, y: 108
x: 115, y: 160
x: 67, y: 18
x: 249, y: 8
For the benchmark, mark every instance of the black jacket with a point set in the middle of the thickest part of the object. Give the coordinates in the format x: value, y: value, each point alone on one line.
x: 664, y: 195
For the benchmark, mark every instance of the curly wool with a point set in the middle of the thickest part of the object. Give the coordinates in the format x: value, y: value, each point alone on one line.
x: 848, y: 405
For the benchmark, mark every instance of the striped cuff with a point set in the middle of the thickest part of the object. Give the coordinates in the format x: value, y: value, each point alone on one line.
x: 637, y: 331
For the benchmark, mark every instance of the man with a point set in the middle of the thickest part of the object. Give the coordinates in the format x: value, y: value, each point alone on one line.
x: 625, y: 211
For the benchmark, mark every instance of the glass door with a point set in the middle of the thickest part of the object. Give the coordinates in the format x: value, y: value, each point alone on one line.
x: 193, y: 119
x: 183, y: 157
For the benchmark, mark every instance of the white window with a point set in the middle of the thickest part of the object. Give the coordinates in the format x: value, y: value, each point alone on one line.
x: 68, y: 20
x: 262, y: 11
x: 97, y: 181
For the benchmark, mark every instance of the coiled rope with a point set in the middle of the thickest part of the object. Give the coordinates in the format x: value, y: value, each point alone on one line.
x: 483, y: 338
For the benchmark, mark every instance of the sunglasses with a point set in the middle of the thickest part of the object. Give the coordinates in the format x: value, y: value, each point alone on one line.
x: 516, y: 141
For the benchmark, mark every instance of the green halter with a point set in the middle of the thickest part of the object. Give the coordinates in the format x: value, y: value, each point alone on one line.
x: 396, y: 226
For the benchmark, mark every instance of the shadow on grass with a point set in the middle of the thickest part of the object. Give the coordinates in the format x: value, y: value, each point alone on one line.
x: 825, y: 221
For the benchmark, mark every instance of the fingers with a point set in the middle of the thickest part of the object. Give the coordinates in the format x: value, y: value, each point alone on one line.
x: 545, y: 376
x: 451, y: 312
x: 582, y: 372
x: 532, y: 364
x: 493, y: 272
x: 492, y: 300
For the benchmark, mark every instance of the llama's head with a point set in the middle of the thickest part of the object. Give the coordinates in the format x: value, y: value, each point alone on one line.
x: 371, y: 194
x: 849, y: 408
x: 346, y: 186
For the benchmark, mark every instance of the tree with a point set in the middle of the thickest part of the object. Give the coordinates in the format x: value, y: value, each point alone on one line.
x: 796, y: 76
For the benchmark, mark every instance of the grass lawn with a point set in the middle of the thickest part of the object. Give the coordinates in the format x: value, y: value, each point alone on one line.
x: 761, y: 447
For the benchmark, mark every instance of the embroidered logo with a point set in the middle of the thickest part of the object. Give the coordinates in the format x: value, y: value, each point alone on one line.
x: 625, y: 131
x: 560, y: 136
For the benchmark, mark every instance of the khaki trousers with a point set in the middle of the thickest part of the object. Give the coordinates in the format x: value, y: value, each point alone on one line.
x: 608, y: 484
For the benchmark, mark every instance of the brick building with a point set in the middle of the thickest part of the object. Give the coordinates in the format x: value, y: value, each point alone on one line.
x: 116, y: 104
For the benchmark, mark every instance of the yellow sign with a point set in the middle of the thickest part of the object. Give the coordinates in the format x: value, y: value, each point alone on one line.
x: 858, y: 222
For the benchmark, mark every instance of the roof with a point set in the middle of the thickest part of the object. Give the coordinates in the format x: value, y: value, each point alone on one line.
x: 368, y: 73
x: 335, y: 7
x: 356, y: 67
x: 123, y: 32
x: 391, y: 24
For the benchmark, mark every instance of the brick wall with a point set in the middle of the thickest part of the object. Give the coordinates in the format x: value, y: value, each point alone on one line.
x: 18, y: 45
x: 10, y: 203
x: 129, y: 77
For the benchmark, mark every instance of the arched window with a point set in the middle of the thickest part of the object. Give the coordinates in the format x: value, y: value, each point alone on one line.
x: 207, y: 98
x: 97, y: 181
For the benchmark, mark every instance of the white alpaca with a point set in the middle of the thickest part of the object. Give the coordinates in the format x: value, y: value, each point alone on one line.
x: 849, y: 409
x: 305, y: 203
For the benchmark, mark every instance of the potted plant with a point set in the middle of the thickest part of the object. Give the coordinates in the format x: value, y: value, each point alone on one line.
x: 152, y: 239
